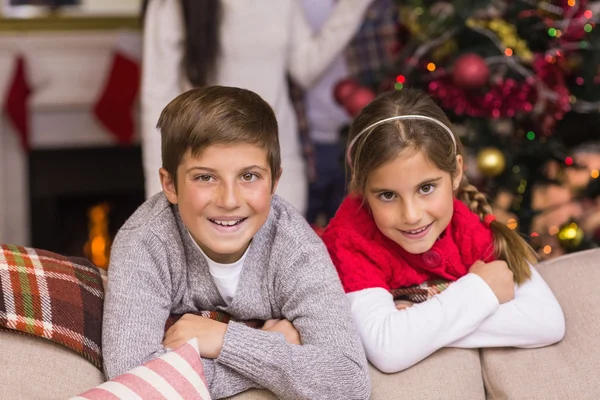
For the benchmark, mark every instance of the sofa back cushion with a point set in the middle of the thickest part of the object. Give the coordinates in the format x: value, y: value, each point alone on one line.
x: 448, y: 374
x: 33, y: 368
x: 568, y: 369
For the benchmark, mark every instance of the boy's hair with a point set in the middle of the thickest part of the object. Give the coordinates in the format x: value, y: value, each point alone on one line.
x: 212, y: 115
x: 384, y: 142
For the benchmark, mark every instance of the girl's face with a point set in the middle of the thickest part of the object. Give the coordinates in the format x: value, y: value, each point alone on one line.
x: 411, y: 199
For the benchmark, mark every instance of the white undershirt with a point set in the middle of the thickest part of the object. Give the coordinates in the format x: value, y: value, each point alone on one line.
x: 225, y: 276
x: 467, y: 314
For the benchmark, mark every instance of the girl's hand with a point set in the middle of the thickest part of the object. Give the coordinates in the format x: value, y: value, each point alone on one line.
x: 210, y: 334
x: 499, y: 278
x: 285, y: 327
x: 403, y: 304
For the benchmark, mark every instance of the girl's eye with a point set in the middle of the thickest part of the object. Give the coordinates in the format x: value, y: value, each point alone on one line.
x: 387, y: 196
x: 249, y: 176
x: 426, y: 189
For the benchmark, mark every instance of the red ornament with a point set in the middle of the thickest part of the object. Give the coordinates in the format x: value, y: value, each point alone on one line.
x: 344, y: 88
x: 470, y: 72
x: 357, y: 100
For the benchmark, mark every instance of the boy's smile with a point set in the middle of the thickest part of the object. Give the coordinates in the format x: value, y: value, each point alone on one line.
x: 224, y: 197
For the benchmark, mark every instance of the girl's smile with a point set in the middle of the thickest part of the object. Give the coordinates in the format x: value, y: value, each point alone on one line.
x: 418, y: 233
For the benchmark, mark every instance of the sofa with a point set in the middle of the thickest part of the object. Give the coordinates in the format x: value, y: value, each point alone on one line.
x: 35, y: 368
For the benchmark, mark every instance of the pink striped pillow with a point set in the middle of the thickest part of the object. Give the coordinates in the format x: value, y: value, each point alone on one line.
x: 175, y: 375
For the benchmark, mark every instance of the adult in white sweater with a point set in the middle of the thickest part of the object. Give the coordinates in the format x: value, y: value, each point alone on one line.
x: 259, y: 43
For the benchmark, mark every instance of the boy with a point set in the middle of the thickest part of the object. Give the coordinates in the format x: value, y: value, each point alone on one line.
x: 218, y: 239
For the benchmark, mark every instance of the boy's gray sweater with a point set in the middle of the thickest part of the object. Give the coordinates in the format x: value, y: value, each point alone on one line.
x: 156, y: 270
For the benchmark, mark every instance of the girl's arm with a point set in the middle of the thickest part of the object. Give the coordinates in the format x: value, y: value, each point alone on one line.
x: 397, y: 339
x: 330, y: 362
x: 533, y: 319
x: 310, y: 54
x: 161, y: 79
x: 140, y: 292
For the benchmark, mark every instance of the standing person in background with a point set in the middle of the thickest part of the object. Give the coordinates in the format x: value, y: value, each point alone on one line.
x: 325, y: 120
x: 254, y: 45
x: 321, y: 119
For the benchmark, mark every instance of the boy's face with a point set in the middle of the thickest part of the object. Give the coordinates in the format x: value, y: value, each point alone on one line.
x: 224, y: 197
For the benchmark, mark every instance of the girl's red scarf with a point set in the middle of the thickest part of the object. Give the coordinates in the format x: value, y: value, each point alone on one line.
x: 365, y: 258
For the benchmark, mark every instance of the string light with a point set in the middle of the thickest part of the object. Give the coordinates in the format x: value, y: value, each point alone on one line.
x: 571, y: 3
x: 587, y: 28
x: 401, y: 79
x: 595, y: 174
x: 588, y: 14
x: 512, y: 224
x: 552, y: 32
x: 553, y: 230
x: 530, y: 135
x: 431, y: 67
x: 535, y: 234
x: 508, y: 52
x: 569, y: 161
x: 547, y: 249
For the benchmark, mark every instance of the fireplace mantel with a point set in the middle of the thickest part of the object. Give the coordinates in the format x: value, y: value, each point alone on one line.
x: 67, y: 72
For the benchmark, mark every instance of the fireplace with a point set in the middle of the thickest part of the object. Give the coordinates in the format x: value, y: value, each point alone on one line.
x: 80, y: 197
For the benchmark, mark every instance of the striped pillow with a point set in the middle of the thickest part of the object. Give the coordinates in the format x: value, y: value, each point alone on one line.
x: 175, y: 375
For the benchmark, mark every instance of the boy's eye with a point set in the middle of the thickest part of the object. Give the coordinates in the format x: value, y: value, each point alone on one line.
x: 204, y: 178
x: 426, y: 189
x: 249, y: 177
x: 387, y: 196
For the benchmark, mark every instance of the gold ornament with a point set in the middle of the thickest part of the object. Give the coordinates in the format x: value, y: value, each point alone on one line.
x: 491, y: 162
x: 507, y: 33
x: 570, y: 236
x: 443, y: 50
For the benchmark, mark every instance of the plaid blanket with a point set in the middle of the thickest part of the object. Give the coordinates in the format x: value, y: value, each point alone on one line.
x: 61, y: 299
x: 52, y: 296
x: 422, y: 292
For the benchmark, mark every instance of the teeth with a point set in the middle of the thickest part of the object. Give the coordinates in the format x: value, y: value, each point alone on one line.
x: 227, y: 223
x: 417, y: 231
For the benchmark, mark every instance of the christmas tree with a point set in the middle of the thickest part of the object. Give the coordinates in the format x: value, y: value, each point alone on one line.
x: 520, y: 81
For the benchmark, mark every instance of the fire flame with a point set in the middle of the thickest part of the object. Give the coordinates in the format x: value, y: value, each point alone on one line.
x: 97, y: 248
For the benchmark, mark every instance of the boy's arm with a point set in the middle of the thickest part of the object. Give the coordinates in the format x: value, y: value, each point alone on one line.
x: 330, y: 363
x: 137, y: 304
x: 533, y: 319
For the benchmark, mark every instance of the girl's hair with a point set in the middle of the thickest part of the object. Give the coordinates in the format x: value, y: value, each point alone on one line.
x: 384, y: 142
x: 202, y: 20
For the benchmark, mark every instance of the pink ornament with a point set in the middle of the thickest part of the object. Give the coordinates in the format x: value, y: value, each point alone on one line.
x: 357, y: 100
x: 344, y: 89
x: 470, y: 72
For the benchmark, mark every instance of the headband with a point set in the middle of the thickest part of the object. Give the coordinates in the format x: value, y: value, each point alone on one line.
x: 383, y: 121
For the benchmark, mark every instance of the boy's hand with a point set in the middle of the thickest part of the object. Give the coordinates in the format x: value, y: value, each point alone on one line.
x: 210, y: 334
x: 292, y: 336
x: 498, y: 276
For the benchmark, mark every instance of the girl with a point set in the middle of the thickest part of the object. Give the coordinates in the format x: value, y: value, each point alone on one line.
x: 412, y: 217
x: 248, y: 44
